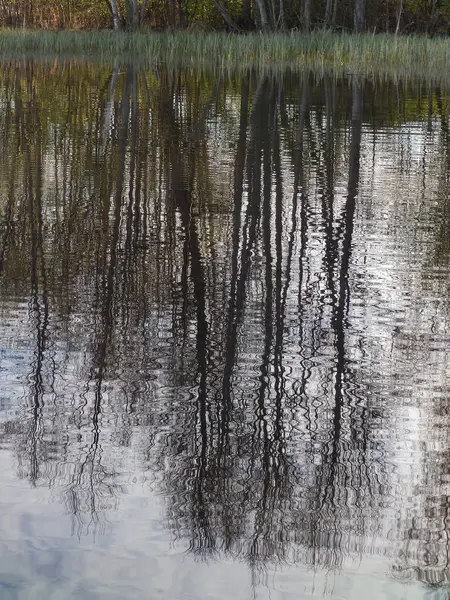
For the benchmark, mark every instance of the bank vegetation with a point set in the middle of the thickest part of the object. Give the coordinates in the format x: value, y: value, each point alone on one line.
x: 382, y: 55
x: 376, y: 16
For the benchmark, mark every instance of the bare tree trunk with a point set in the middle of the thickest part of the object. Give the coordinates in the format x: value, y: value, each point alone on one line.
x: 262, y: 14
x: 306, y: 15
x: 360, y: 14
x: 399, y: 16
x: 330, y: 14
x: 143, y: 11
x: 246, y: 13
x: 170, y: 13
x: 282, y: 19
x: 132, y: 14
x: 226, y: 17
x: 273, y: 18
x: 432, y: 21
x: 334, y: 16
x: 112, y: 7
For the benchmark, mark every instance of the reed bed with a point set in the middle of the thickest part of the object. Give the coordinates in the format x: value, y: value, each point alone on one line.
x: 379, y: 54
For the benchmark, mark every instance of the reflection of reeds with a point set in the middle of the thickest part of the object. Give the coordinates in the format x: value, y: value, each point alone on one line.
x: 380, y: 54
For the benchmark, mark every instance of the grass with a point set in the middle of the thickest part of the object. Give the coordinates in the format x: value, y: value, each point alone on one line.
x: 379, y: 54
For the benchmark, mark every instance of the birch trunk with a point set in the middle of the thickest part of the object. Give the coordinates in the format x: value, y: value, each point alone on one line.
x: 399, y: 16
x: 262, y: 14
x: 226, y: 17
x: 112, y: 5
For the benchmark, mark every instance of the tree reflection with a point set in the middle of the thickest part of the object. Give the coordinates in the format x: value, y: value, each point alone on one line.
x: 187, y: 248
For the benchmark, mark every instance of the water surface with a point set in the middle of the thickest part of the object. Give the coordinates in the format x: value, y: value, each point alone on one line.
x: 224, y: 335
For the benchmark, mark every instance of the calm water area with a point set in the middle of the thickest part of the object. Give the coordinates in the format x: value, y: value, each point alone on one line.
x: 224, y: 335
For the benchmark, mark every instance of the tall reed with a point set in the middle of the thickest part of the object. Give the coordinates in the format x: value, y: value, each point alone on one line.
x: 380, y: 54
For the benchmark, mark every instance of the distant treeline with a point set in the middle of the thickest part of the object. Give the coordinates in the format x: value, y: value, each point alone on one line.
x: 405, y: 16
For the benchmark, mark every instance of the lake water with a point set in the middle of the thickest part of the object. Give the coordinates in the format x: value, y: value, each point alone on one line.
x: 225, y: 335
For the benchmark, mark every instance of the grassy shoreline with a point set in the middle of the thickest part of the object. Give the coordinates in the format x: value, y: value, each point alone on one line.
x: 377, y: 54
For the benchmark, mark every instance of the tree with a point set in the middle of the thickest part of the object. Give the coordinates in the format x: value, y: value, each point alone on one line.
x: 134, y: 13
x: 112, y: 7
x: 226, y: 16
x: 264, y: 21
x: 396, y: 16
x: 359, y: 15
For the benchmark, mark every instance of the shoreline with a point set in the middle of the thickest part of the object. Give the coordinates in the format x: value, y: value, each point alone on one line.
x: 379, y: 54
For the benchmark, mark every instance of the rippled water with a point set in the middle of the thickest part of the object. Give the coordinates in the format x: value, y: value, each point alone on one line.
x: 224, y: 335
